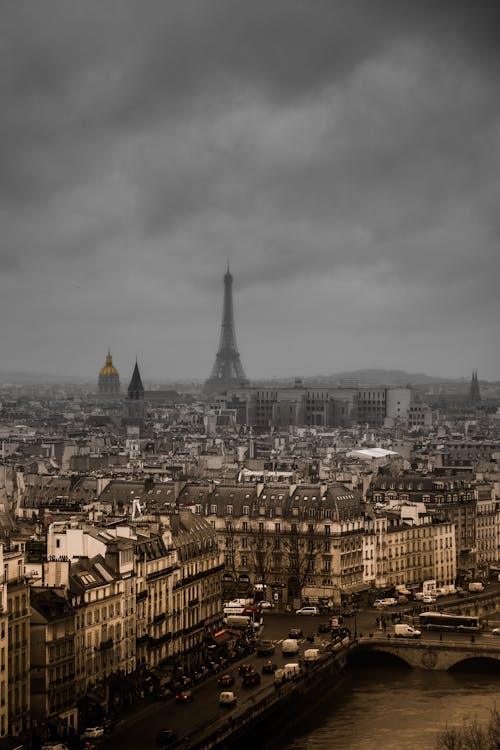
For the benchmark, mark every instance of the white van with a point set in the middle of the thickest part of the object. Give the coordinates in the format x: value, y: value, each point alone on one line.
x: 403, y: 630
x: 290, y: 646
x: 227, y: 699
x: 476, y: 586
x: 291, y: 670
x: 311, y: 654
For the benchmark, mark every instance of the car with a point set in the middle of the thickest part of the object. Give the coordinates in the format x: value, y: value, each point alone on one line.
x: 265, y: 647
x: 184, y: 696
x: 307, y: 611
x: 92, y: 732
x: 250, y: 679
x: 225, y: 680
x: 265, y: 605
x: 429, y: 599
x: 295, y: 633
x: 269, y: 667
x: 227, y: 699
x: 244, y: 668
x: 324, y: 627
x: 348, y: 612
x: 495, y: 631
x: 166, y: 737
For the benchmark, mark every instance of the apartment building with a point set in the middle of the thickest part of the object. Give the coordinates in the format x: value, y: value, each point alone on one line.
x: 4, y: 629
x: 401, y: 553
x: 52, y: 661
x: 295, y: 542
x: 18, y: 638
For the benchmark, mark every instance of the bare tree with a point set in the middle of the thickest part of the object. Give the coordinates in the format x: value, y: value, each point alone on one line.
x: 302, y: 551
x: 261, y: 551
x: 472, y: 736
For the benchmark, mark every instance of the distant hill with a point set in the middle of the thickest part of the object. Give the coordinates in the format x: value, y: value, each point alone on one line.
x: 388, y: 377
x: 40, y: 378
x: 362, y: 378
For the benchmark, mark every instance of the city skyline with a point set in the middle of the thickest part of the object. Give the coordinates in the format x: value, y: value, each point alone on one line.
x: 343, y: 159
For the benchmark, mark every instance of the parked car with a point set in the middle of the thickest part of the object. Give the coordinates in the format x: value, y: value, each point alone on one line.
x: 307, y: 611
x: 225, y: 680
x: 429, y: 599
x: 92, y: 732
x: 269, y: 667
x: 227, y: 699
x: 265, y: 647
x: 166, y: 737
x: 265, y: 604
x: 496, y: 631
x: 295, y: 633
x: 184, y: 696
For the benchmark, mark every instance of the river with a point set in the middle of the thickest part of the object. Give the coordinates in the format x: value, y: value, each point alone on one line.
x: 395, y: 709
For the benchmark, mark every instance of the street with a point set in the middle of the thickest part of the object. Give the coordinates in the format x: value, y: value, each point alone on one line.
x: 140, y: 729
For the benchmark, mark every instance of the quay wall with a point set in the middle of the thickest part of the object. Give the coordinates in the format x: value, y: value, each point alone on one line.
x: 312, y: 682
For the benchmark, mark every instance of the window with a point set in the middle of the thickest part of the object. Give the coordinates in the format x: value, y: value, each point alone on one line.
x: 327, y: 530
x: 213, y: 509
x: 246, y: 510
x: 277, y: 528
x: 261, y: 527
x: 229, y: 510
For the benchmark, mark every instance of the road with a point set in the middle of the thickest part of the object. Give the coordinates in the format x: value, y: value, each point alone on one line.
x: 139, y: 731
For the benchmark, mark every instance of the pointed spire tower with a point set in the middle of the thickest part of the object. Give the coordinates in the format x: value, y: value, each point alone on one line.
x: 227, y: 371
x: 474, y: 392
x: 134, y: 403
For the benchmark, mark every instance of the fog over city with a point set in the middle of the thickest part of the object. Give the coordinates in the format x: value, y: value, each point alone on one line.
x: 342, y: 156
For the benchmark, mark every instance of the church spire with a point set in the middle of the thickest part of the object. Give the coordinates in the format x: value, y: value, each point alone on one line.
x: 136, y: 388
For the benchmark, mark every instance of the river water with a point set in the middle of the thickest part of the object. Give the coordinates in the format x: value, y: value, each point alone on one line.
x: 385, y: 709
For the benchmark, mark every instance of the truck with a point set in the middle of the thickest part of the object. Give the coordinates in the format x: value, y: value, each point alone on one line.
x: 446, y: 590
x: 311, y: 654
x: 288, y: 672
x: 241, y: 622
x: 476, y: 586
x: 403, y: 630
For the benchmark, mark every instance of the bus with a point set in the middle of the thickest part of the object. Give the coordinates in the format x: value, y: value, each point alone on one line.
x: 440, y: 621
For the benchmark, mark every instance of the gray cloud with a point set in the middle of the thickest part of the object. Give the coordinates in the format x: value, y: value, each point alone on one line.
x: 342, y: 156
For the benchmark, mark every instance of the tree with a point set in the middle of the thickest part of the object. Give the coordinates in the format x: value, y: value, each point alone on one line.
x: 302, y: 551
x: 261, y: 556
x: 472, y: 736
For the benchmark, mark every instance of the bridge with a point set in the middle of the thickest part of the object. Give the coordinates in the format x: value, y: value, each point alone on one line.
x: 429, y: 653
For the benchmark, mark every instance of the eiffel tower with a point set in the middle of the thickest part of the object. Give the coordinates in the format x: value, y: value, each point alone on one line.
x: 227, y: 371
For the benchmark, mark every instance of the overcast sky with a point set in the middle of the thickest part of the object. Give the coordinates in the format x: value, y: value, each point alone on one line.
x: 343, y: 156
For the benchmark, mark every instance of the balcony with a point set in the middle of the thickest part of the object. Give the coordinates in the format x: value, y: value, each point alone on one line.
x: 105, y: 645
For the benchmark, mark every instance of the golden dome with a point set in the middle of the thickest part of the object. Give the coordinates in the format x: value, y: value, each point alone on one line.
x: 108, y: 368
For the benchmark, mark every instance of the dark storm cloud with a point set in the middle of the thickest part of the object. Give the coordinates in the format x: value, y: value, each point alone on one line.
x: 342, y: 156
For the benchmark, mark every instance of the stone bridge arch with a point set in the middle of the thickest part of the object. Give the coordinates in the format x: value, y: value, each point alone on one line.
x: 427, y: 655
